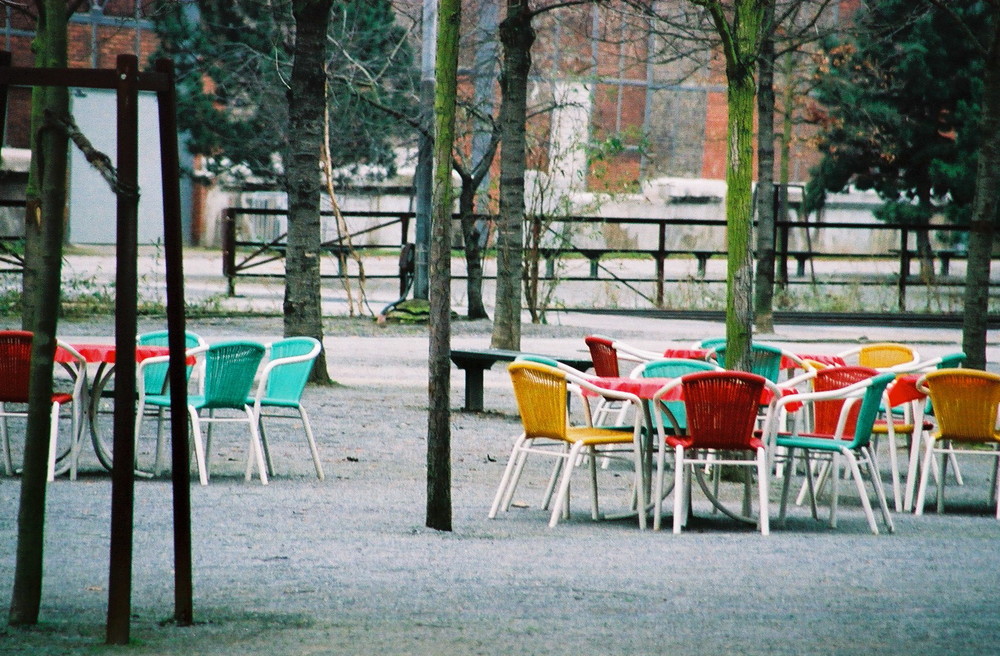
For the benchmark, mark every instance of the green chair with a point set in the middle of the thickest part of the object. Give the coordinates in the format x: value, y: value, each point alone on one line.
x: 850, y: 439
x: 673, y: 368
x: 228, y: 373
x: 765, y: 360
x: 280, y: 389
x: 151, y: 377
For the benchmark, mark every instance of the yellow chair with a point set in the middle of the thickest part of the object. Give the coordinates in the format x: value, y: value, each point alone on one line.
x: 541, y: 393
x: 884, y: 356
x: 965, y: 403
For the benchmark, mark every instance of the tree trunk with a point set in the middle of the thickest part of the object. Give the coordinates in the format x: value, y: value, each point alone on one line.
x: 984, y: 211
x: 303, y: 310
x: 472, y: 238
x: 439, y: 417
x: 516, y: 36
x: 49, y: 159
x: 739, y: 212
x: 740, y: 63
x: 764, y: 288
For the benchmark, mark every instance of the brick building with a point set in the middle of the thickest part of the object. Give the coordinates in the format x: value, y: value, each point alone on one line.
x: 666, y: 116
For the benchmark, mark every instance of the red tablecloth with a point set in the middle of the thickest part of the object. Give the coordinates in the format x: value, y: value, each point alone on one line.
x: 828, y: 360
x: 646, y: 388
x: 686, y: 353
x: 786, y: 363
x: 106, y: 353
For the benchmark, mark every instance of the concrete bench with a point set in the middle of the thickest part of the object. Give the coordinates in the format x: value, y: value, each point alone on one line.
x: 475, y: 361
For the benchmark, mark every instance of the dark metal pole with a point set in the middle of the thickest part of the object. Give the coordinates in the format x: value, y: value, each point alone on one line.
x: 424, y: 172
x: 173, y: 238
x: 4, y: 62
x: 126, y: 283
x: 661, y: 257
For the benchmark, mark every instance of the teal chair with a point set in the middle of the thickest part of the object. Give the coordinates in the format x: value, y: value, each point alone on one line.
x: 765, y: 360
x: 151, y: 378
x: 228, y: 370
x: 673, y: 368
x: 851, y: 440
x: 282, y: 382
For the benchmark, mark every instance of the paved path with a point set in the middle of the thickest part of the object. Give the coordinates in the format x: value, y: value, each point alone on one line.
x: 346, y: 566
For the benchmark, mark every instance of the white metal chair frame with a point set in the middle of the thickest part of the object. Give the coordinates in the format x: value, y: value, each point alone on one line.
x: 260, y: 404
x: 78, y: 373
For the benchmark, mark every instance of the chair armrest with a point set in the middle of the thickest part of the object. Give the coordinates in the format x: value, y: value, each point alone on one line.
x: 634, y: 354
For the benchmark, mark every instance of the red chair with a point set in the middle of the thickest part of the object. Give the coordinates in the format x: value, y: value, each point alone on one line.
x: 721, y: 410
x: 604, y: 355
x: 826, y: 415
x: 15, y: 371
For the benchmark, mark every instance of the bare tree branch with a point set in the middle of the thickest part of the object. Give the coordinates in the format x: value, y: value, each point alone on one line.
x: 98, y: 160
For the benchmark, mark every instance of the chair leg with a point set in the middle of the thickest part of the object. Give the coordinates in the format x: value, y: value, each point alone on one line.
x: 953, y: 459
x: 924, y: 473
x: 53, y: 439
x: 897, y: 489
x: 550, y: 488
x: 562, y: 496
x: 199, y: 448
x: 522, y: 458
x: 835, y: 493
x: 161, y: 443
x: 789, y: 466
x: 256, y: 448
x: 680, y: 487
x: 852, y: 462
x: 595, y: 510
x: 208, y: 438
x: 945, y: 457
x: 8, y: 462
x: 264, y: 444
x: 763, y: 475
x: 505, y: 479
x: 879, y: 489
x: 312, y: 443
x: 661, y: 465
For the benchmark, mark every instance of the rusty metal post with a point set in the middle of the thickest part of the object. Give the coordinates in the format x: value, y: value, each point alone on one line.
x: 661, y: 256
x: 228, y: 230
x: 173, y: 239
x: 126, y: 283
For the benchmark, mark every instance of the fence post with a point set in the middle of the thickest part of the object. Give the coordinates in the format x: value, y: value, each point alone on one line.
x: 904, y: 266
x: 228, y: 235
x: 660, y: 257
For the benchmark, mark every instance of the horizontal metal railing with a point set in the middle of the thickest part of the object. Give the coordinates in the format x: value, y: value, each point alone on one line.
x: 255, y: 253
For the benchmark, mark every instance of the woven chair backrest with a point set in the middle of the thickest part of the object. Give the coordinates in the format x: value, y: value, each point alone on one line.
x: 286, y: 381
x: 765, y: 360
x: 230, y: 368
x: 721, y: 408
x: 887, y: 354
x: 540, y: 391
x: 826, y: 414
x: 965, y: 404
x: 603, y: 355
x: 15, y: 365
x: 155, y: 375
x: 674, y: 368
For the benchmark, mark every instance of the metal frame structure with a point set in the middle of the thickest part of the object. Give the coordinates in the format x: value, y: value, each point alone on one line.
x: 127, y: 81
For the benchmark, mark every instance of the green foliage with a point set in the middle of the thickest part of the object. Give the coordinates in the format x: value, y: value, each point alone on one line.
x: 234, y: 60
x: 901, y: 102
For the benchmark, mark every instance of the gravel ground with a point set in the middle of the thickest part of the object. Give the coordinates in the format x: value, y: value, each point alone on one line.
x: 346, y: 566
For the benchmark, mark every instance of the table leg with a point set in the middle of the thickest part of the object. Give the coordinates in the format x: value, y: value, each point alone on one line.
x: 474, y: 389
